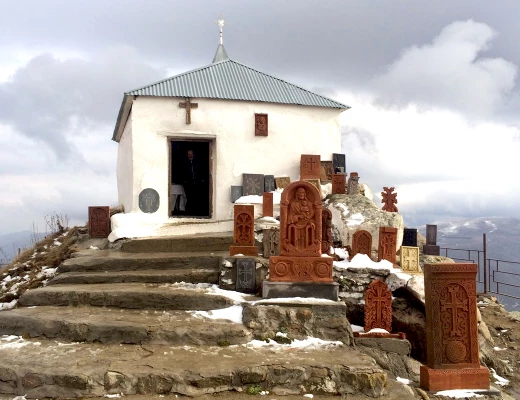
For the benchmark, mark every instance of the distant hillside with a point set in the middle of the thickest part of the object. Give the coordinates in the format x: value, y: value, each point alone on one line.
x: 503, y: 243
x: 11, y: 242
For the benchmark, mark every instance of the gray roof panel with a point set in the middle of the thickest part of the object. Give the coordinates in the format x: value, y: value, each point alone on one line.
x: 231, y: 80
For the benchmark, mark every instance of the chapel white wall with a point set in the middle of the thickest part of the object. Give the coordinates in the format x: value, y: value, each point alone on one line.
x: 293, y: 130
x: 124, y: 171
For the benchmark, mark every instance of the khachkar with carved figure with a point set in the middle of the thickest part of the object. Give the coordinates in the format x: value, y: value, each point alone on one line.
x: 300, y: 259
x: 451, y: 329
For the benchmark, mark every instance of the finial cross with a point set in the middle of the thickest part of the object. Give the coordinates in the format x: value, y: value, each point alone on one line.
x: 220, y: 22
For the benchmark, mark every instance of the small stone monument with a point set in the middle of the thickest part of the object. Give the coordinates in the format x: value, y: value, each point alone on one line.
x: 410, y: 237
x: 326, y: 231
x: 246, y: 275
x: 338, y: 183
x: 300, y: 270
x: 452, y: 329
x: 253, y: 184
x: 361, y: 243
x: 387, y: 244
x: 282, y: 182
x: 267, y: 204
x: 244, y: 231
x: 431, y: 248
x: 378, y: 311
x: 149, y: 200
x: 389, y: 199
x: 410, y: 259
x: 310, y: 166
x: 99, y: 221
x: 271, y: 242
x: 352, y: 185
x: 236, y: 193
x: 338, y: 162
x: 269, y: 185
x: 326, y: 171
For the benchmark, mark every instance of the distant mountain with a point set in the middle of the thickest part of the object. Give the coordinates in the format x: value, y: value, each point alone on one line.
x: 502, y: 242
x: 11, y: 242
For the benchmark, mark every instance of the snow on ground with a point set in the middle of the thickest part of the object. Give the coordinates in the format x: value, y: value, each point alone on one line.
x: 295, y: 300
x: 210, y: 289
x: 8, y: 306
x: 309, y: 343
x: 404, y: 381
x: 356, y: 220
x: 498, y: 379
x: 14, y: 342
x: 357, y: 328
x: 459, y: 393
x: 253, y: 199
x: 233, y: 313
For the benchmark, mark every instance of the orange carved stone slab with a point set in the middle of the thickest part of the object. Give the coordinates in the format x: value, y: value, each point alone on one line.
x: 267, y: 204
x: 451, y: 329
x: 338, y: 183
x: 326, y: 230
x: 378, y: 306
x: 300, y: 220
x: 244, y: 250
x: 300, y: 269
x: 244, y: 225
x: 387, y: 244
x: 310, y: 166
x: 361, y: 243
x: 99, y: 221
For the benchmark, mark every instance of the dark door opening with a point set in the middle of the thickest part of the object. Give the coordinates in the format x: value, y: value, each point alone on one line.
x: 190, y: 179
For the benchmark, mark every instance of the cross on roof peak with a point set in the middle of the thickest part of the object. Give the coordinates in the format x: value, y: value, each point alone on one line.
x: 220, y: 22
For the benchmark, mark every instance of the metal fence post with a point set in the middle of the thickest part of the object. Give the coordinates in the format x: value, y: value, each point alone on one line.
x: 485, y: 261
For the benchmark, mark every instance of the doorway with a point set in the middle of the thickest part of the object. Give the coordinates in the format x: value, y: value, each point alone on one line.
x: 190, y: 178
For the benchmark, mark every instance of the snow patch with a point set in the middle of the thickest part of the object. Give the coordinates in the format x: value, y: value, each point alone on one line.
x: 404, y: 381
x: 356, y: 220
x: 233, y: 313
x: 309, y: 343
x: 498, y: 379
x: 459, y: 393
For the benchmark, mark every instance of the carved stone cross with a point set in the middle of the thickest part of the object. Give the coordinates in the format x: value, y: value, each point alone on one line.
x: 188, y: 105
x: 454, y: 305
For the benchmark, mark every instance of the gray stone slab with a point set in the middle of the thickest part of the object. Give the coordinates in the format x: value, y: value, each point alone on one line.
x: 269, y: 185
x: 410, y: 237
x: 253, y: 184
x: 246, y: 273
x: 236, y: 193
x: 329, y: 291
x: 338, y: 161
x: 271, y: 242
x: 431, y: 250
x: 431, y: 234
x: 392, y: 345
x: 149, y: 200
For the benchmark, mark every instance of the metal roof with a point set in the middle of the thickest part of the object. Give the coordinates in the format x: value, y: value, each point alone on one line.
x: 232, y: 80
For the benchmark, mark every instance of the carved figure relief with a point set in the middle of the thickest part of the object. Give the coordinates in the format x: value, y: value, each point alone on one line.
x: 326, y: 232
x: 353, y: 183
x: 99, y: 221
x: 261, y: 125
x: 378, y: 306
x: 338, y: 183
x: 389, y: 199
x: 387, y: 244
x: 361, y: 243
x: 244, y: 233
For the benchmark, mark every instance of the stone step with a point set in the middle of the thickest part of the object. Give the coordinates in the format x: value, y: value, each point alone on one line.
x: 126, y: 295
x: 46, y: 368
x: 113, y: 325
x: 114, y: 260
x: 208, y: 242
x: 145, y: 276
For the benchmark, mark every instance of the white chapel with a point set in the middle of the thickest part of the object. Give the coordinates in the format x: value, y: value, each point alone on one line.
x: 210, y: 126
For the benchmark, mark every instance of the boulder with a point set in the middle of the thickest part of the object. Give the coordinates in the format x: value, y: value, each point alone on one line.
x: 351, y: 213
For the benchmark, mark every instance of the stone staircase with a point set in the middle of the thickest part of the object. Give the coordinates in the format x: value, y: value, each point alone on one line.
x: 126, y: 321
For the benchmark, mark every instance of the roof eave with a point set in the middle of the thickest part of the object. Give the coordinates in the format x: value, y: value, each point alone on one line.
x: 122, y: 117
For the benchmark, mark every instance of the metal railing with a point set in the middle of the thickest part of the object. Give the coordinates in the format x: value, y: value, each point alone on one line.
x: 495, y: 276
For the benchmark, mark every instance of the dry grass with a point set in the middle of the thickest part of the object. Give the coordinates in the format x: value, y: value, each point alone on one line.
x: 27, y: 269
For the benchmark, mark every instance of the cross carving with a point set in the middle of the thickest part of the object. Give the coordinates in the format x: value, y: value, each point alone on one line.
x: 454, y: 306
x: 188, y: 105
x: 378, y: 299
x: 311, y: 161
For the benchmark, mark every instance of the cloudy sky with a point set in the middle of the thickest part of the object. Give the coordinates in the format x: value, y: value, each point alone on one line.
x: 433, y: 87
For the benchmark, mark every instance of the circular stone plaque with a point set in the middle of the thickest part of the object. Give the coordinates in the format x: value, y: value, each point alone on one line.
x: 149, y: 200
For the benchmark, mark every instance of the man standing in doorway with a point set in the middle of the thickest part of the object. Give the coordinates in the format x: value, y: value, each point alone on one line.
x: 192, y: 184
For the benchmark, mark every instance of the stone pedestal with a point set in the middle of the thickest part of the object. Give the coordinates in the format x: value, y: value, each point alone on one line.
x: 300, y: 269
x: 452, y: 379
x: 329, y: 291
x: 431, y: 250
x: 245, y: 250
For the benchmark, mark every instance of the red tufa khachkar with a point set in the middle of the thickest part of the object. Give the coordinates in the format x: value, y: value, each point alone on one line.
x: 378, y: 311
x: 338, y: 183
x: 361, y: 243
x: 244, y: 231
x: 310, y: 166
x: 99, y: 221
x: 387, y: 244
x: 267, y: 204
x: 326, y: 230
x: 300, y: 237
x: 389, y: 199
x: 452, y: 329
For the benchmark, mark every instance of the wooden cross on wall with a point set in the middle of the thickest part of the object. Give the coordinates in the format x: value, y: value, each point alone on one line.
x: 188, y: 105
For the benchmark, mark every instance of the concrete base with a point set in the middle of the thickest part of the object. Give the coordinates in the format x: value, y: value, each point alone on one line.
x: 320, y: 290
x: 451, y: 379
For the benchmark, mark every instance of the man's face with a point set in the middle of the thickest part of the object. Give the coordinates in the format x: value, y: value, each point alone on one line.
x: 190, y: 154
